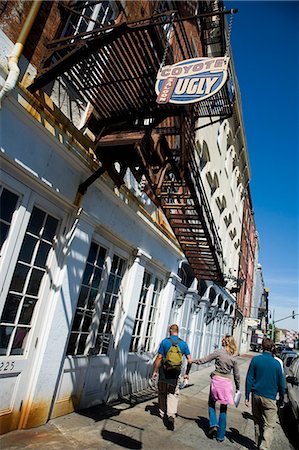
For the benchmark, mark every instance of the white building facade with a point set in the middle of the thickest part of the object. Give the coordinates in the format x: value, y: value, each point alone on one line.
x: 87, y: 293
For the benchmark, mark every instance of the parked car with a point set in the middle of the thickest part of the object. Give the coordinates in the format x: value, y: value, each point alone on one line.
x: 292, y: 387
x: 280, y: 348
x: 287, y: 359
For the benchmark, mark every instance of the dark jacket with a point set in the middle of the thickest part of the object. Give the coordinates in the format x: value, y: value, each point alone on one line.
x: 264, y: 377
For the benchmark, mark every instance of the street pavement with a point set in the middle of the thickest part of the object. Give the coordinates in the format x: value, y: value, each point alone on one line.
x: 133, y: 424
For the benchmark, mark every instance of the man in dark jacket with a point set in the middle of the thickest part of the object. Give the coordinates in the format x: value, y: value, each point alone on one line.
x: 264, y: 379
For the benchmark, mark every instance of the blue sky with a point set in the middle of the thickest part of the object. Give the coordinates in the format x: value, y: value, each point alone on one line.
x: 265, y: 44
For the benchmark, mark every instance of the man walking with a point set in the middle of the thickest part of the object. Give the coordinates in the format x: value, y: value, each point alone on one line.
x: 264, y: 379
x: 169, y: 363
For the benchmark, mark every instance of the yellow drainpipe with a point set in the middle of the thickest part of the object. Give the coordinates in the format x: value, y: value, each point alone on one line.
x: 14, y: 57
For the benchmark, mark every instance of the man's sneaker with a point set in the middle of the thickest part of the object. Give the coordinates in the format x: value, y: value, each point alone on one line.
x: 212, y: 432
x: 170, y: 423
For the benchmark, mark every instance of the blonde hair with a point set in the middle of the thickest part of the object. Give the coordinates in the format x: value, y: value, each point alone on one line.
x: 229, y: 344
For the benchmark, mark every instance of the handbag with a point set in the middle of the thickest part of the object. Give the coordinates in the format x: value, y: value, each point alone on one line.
x: 237, y: 398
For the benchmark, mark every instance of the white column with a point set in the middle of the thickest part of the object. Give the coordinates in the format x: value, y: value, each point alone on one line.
x: 166, y: 303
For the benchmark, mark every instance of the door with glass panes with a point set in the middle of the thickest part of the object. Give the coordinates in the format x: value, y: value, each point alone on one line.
x: 143, y: 343
x: 89, y: 361
x: 28, y: 253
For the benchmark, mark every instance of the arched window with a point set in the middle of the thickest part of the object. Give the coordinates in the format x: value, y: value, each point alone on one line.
x: 237, y: 244
x: 212, y: 294
x: 229, y: 158
x: 235, y: 178
x: 230, y: 139
x: 232, y: 234
x: 221, y: 203
x: 220, y: 301
x: 228, y: 220
x: 213, y: 181
x: 202, y: 288
x: 222, y: 136
x: 204, y: 155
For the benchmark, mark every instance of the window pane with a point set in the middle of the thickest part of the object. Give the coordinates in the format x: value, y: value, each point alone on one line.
x: 110, y: 283
x: 102, y: 323
x: 101, y: 257
x: 83, y: 296
x: 96, y: 278
x: 42, y: 254
x: 92, y: 253
x: 35, y: 281
x: 10, y: 308
x: 77, y: 321
x: 27, y: 249
x: 105, y: 345
x: 81, y: 345
x: 86, y: 323
x: 50, y: 228
x: 114, y: 264
x: 5, y: 333
x: 3, y: 233
x: 19, y: 278
x: 8, y: 201
x: 87, y: 274
x: 19, y: 341
x: 116, y: 285
x: 106, y: 302
x: 27, y: 310
x: 92, y: 297
x: 36, y: 221
x: 72, y: 344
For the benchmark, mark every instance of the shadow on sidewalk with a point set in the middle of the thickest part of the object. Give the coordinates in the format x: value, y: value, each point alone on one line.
x: 104, y: 411
x: 121, y: 439
x: 101, y: 412
x: 233, y: 435
x: 246, y: 415
x: 204, y: 424
x: 153, y: 409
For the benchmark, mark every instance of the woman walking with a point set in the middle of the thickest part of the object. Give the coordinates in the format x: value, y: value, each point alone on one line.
x: 221, y: 389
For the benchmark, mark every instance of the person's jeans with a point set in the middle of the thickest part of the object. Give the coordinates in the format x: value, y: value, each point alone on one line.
x: 221, y: 423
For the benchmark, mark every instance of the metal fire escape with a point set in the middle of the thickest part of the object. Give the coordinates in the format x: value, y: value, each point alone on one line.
x: 114, y: 67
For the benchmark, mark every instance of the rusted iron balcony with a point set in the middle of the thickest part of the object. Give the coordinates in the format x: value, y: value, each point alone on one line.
x: 114, y: 68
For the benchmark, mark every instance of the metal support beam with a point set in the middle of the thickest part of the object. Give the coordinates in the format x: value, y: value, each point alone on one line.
x: 85, y: 185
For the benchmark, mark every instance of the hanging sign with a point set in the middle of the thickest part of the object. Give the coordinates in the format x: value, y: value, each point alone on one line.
x: 191, y: 80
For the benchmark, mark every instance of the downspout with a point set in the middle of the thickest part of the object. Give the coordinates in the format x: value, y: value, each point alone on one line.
x: 13, y: 58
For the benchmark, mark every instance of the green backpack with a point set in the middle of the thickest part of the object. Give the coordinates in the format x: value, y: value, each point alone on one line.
x: 174, y: 357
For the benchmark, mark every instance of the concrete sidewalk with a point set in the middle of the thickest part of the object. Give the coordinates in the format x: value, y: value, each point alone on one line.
x: 136, y: 426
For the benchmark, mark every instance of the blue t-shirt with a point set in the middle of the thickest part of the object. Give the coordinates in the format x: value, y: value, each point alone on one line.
x: 166, y: 344
x: 171, y: 377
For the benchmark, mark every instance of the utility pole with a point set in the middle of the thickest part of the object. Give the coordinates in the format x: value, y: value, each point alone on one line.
x: 273, y: 328
x: 293, y: 315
